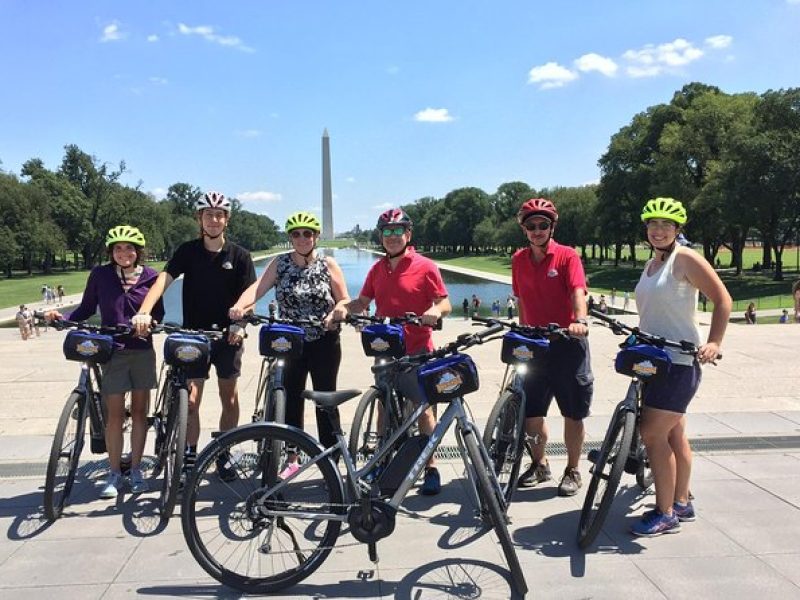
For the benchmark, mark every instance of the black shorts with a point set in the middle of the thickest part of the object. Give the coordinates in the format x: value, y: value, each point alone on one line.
x: 227, y: 360
x: 676, y: 390
x: 566, y: 374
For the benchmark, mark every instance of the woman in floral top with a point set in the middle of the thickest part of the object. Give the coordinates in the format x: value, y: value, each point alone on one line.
x: 307, y: 284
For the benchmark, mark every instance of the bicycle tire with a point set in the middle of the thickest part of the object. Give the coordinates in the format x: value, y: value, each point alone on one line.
x: 365, y: 434
x: 504, y: 439
x: 160, y: 427
x: 613, y: 454
x: 275, y: 409
x: 494, y: 513
x: 173, y: 451
x: 63, y: 464
x: 644, y: 473
x: 229, y: 517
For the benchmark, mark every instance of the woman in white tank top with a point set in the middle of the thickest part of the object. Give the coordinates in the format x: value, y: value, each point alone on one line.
x: 666, y: 299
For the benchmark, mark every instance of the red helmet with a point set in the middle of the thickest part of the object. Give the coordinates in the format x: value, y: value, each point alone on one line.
x: 394, y: 216
x: 537, y: 206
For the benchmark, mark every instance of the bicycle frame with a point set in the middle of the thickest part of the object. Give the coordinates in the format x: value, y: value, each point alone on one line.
x: 90, y: 390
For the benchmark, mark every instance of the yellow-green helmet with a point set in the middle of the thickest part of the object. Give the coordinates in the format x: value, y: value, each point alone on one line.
x: 303, y: 220
x: 664, y: 208
x: 125, y: 233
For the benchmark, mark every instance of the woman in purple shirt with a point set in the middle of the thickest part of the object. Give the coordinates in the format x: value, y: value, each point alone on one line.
x: 117, y: 289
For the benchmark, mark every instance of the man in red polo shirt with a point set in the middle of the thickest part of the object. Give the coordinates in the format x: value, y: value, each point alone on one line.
x: 402, y: 282
x: 549, y: 281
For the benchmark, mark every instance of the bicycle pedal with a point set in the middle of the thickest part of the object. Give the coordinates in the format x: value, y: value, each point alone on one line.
x: 632, y: 465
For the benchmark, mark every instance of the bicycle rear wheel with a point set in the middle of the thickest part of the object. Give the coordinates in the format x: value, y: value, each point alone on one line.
x: 172, y: 450
x: 504, y: 438
x: 251, y: 536
x: 369, y: 428
x: 606, y: 473
x: 493, y: 515
x: 64, y: 455
x: 276, y: 412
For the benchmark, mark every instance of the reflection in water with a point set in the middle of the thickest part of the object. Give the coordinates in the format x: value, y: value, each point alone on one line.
x: 355, y: 264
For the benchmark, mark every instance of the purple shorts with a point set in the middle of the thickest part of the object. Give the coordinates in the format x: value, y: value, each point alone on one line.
x: 674, y: 392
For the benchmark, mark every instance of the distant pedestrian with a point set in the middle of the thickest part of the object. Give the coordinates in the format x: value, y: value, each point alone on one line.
x: 703, y: 301
x: 796, y: 297
x: 60, y: 294
x: 476, y: 305
x: 613, y: 299
x: 626, y: 300
x: 496, y: 308
x: 750, y: 314
x: 784, y: 318
x: 22, y: 322
x: 44, y: 293
x: 590, y: 303
x: 465, y: 307
x: 273, y: 308
x: 510, y: 306
x: 602, y: 306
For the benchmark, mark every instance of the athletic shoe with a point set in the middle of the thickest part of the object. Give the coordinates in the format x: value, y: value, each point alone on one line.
x: 289, y: 470
x: 570, y: 482
x: 225, y: 468
x: 432, y: 484
x: 656, y: 523
x: 138, y: 483
x: 535, y: 474
x: 684, y: 512
x: 111, y: 486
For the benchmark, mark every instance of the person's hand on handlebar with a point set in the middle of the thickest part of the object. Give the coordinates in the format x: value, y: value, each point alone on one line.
x: 579, y: 328
x: 708, y: 353
x: 141, y: 324
x: 431, y: 316
x: 235, y: 313
x: 52, y: 315
x: 337, y: 315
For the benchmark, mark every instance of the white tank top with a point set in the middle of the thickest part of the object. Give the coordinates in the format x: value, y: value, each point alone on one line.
x: 667, y: 307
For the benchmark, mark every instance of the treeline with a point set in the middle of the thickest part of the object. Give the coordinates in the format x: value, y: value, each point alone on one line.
x: 49, y: 219
x: 732, y: 159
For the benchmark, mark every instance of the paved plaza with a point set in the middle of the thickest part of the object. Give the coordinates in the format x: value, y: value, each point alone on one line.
x: 745, y: 420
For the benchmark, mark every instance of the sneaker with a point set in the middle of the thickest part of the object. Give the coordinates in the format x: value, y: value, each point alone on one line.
x: 111, y: 486
x: 289, y: 470
x: 655, y: 523
x: 432, y: 484
x: 535, y: 474
x: 570, y: 482
x: 374, y: 474
x: 138, y: 483
x: 225, y: 468
x: 684, y: 512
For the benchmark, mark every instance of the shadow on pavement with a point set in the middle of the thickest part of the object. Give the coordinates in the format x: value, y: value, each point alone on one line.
x: 454, y: 578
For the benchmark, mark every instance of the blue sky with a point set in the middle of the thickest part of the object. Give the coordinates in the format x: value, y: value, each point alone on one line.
x: 419, y: 97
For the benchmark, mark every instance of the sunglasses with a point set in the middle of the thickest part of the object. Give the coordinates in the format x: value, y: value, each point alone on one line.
x: 541, y: 226
x: 387, y: 231
x: 306, y: 233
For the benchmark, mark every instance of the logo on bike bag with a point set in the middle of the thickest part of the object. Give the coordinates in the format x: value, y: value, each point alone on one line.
x: 187, y: 353
x: 379, y: 345
x: 449, y: 382
x: 645, y: 368
x: 87, y: 348
x: 522, y: 353
x: 281, y: 344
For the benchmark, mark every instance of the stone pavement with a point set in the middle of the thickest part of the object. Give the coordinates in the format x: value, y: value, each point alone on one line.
x: 746, y: 419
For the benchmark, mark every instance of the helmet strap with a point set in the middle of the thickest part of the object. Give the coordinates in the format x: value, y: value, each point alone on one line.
x: 396, y: 254
x: 307, y: 254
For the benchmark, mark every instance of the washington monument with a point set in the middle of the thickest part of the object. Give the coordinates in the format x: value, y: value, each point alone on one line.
x: 327, y: 195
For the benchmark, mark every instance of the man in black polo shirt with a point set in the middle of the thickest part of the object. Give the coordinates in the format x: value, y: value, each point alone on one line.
x: 215, y: 273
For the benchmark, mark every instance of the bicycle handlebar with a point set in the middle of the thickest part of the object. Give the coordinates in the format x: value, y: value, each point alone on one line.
x: 408, y: 319
x: 463, y: 341
x: 171, y: 328
x: 61, y: 324
x: 620, y: 328
x: 255, y: 319
x: 549, y: 331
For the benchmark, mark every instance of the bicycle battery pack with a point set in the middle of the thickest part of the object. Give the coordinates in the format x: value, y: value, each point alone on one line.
x: 392, y: 476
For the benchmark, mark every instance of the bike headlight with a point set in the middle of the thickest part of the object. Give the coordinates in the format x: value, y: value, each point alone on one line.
x: 522, y: 369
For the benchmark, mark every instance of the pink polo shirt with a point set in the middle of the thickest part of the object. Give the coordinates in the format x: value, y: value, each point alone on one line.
x: 545, y: 289
x: 411, y: 287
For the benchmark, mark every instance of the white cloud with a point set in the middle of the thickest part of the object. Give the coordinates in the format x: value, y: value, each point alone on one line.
x: 249, y: 133
x: 159, y: 192
x: 595, y: 62
x: 152, y: 37
x: 260, y: 196
x: 159, y: 80
x: 720, y: 41
x: 551, y: 75
x: 350, y: 179
x: 433, y: 115
x: 207, y: 33
x: 112, y: 33
x: 651, y: 60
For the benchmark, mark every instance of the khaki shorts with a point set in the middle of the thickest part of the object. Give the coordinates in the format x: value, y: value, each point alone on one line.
x: 129, y: 370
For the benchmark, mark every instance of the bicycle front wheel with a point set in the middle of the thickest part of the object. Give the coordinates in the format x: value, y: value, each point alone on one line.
x: 369, y: 428
x: 64, y: 455
x: 172, y: 450
x: 261, y: 538
x: 490, y: 493
x: 276, y: 412
x: 504, y: 438
x: 606, y: 472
